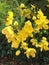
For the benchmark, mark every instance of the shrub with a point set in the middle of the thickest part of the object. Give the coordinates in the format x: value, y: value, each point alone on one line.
x: 26, y: 29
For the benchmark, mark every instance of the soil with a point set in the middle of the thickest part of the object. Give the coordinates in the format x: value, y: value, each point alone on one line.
x: 10, y: 61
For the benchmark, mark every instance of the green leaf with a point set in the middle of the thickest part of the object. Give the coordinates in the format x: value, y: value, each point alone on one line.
x: 2, y: 7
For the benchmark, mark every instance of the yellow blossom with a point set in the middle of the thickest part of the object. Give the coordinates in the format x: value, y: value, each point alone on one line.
x: 40, y: 13
x: 16, y: 23
x: 15, y: 44
x: 45, y: 27
x: 48, y: 0
x: 28, y: 27
x: 22, y: 5
x: 30, y: 35
x: 4, y: 30
x: 9, y: 18
x: 44, y: 41
x: 18, y: 38
x: 43, y: 44
x: 44, y: 38
x: 33, y: 41
x: 38, y: 27
x: 32, y: 6
x: 8, y: 22
x: 23, y: 35
x: 47, y: 5
x: 27, y: 13
x: 43, y: 47
x: 30, y: 52
x: 8, y: 31
x: 10, y: 13
x: 18, y: 52
x: 39, y: 21
x: 24, y: 45
x: 34, y: 18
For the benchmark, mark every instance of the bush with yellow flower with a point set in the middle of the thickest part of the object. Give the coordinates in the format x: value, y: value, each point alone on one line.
x: 18, y: 33
x: 28, y: 34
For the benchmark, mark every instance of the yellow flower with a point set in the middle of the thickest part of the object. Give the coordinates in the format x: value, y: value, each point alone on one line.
x: 33, y: 41
x: 47, y: 5
x: 23, y: 35
x: 32, y: 6
x: 18, y: 52
x: 9, y: 18
x: 28, y: 27
x: 46, y: 48
x: 43, y: 44
x: 30, y: 35
x: 8, y: 31
x: 4, y: 30
x: 30, y: 52
x: 48, y: 0
x: 44, y: 41
x: 26, y: 31
x: 38, y: 22
x: 45, y: 27
x: 27, y: 13
x: 16, y: 41
x: 16, y: 23
x: 24, y: 45
x: 10, y: 13
x: 40, y: 13
x: 43, y: 47
x: 8, y: 22
x: 41, y: 17
x: 34, y: 18
x: 18, y: 37
x: 22, y: 5
x: 15, y: 44
x: 44, y: 38
x: 38, y: 27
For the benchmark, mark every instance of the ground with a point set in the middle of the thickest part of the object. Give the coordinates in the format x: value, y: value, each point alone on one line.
x: 10, y: 61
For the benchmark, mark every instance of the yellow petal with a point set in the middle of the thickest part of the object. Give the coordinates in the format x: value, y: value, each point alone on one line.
x: 17, y: 52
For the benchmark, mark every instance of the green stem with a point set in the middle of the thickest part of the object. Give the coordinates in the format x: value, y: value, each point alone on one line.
x: 22, y: 21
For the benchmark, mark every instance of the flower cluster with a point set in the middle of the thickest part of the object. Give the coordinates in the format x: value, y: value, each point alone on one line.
x: 19, y: 35
x: 9, y: 18
x: 41, y: 20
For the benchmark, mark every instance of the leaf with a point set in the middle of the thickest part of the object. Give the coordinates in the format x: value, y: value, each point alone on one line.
x: 1, y: 26
x: 2, y: 7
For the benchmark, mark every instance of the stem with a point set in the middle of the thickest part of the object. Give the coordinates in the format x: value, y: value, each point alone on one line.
x: 22, y: 21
